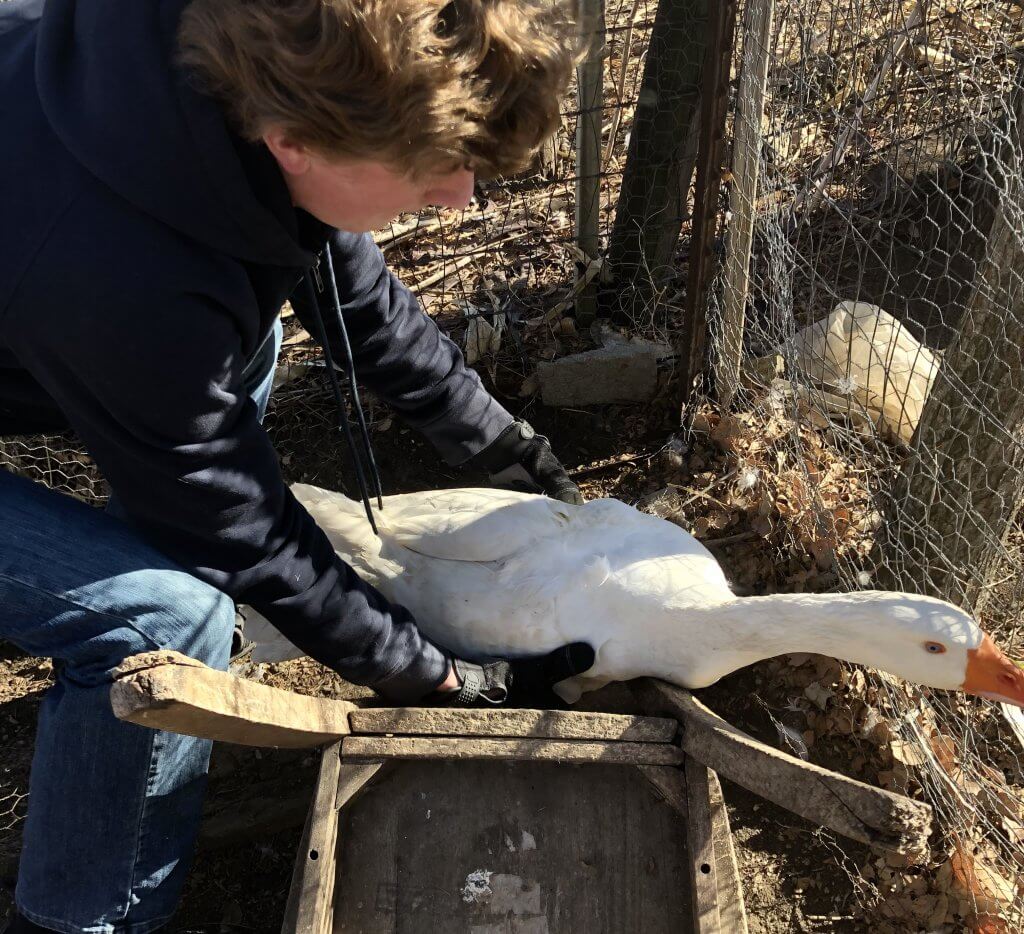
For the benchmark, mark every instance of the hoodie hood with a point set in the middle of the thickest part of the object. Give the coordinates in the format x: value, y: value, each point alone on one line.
x: 113, y: 93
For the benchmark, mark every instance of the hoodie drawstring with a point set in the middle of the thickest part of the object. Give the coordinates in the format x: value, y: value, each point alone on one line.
x: 350, y: 371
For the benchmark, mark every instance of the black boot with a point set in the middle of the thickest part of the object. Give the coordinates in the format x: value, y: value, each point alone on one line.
x: 240, y: 646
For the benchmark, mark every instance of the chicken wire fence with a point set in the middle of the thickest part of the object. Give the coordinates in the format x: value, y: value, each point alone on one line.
x: 874, y: 363
x: 874, y: 436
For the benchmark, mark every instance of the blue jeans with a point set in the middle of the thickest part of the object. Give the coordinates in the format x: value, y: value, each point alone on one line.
x: 113, y: 808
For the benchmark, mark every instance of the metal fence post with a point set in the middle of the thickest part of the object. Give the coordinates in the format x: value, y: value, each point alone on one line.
x: 692, y: 339
x: 588, y: 150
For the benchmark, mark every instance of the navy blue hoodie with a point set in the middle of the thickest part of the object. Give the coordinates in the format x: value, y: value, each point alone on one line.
x: 145, y: 252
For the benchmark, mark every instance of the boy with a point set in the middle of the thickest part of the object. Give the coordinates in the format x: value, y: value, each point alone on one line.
x: 170, y: 172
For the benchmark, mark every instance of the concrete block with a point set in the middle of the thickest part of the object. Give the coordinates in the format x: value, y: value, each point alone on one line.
x: 616, y: 373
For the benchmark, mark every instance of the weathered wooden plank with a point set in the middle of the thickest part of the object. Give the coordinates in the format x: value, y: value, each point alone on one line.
x: 481, y: 847
x: 670, y: 783
x: 310, y: 908
x: 414, y: 747
x: 703, y: 865
x: 746, y: 164
x: 849, y: 807
x: 354, y: 776
x: 169, y: 691
x: 311, y: 897
x: 732, y: 913
x: 539, y: 724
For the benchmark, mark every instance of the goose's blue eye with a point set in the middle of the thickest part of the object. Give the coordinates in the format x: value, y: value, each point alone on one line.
x: 936, y: 648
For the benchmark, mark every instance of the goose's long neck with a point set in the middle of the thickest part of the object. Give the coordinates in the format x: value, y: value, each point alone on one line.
x: 828, y: 624
x: 854, y: 627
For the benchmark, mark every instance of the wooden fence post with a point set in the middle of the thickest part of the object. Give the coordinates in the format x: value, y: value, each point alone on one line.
x: 746, y: 164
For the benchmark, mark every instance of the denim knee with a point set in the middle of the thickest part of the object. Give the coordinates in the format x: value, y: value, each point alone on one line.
x: 145, y: 610
x: 210, y: 616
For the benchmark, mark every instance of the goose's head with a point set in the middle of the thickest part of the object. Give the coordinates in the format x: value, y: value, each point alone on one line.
x: 937, y: 644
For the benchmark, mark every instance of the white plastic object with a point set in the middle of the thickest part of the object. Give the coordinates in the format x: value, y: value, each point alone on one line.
x: 862, y: 351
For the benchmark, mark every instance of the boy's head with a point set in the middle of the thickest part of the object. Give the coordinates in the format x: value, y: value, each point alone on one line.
x: 372, y: 107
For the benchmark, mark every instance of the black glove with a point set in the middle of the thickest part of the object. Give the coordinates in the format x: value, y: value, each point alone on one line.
x: 521, y: 459
x: 523, y: 682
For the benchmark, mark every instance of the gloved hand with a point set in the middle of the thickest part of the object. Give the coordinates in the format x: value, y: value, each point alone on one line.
x: 523, y: 682
x: 521, y: 459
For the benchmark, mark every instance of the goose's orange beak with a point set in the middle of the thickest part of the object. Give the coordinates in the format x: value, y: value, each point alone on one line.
x: 991, y: 674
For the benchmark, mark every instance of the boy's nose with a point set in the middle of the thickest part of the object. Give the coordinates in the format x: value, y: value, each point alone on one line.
x: 453, y: 190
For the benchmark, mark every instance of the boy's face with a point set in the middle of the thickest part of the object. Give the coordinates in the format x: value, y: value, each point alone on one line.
x: 361, y: 195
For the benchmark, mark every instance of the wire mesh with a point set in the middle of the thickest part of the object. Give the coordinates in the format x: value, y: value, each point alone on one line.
x: 59, y: 461
x: 881, y: 357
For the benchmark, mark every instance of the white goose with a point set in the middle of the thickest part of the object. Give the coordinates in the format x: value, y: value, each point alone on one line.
x: 502, y: 574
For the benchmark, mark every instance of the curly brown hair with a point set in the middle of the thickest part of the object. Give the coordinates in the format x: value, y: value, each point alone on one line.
x: 423, y: 85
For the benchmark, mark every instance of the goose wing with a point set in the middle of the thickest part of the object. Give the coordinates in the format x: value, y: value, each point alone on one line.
x: 478, y: 525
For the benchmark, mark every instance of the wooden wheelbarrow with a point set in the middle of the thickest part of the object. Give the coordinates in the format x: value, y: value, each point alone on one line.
x: 484, y: 829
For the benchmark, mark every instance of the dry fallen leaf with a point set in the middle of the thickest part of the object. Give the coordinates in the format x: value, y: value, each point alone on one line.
x: 990, y: 893
x: 908, y: 752
x: 818, y: 695
x: 728, y: 434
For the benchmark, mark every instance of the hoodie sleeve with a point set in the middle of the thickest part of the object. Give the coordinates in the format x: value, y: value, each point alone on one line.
x: 400, y: 354
x: 149, y: 373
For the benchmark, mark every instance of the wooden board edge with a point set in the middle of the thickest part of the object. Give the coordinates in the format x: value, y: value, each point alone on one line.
x: 311, y: 894
x: 169, y: 691
x: 704, y: 881
x: 851, y: 808
x: 540, y: 750
x: 513, y: 723
x: 670, y: 784
x: 732, y: 912
x: 353, y: 778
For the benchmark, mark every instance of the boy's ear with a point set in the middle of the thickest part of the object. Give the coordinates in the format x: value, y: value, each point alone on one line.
x: 293, y: 157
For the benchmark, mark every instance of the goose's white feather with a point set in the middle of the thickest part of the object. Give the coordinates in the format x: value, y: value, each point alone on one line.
x: 503, y: 574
